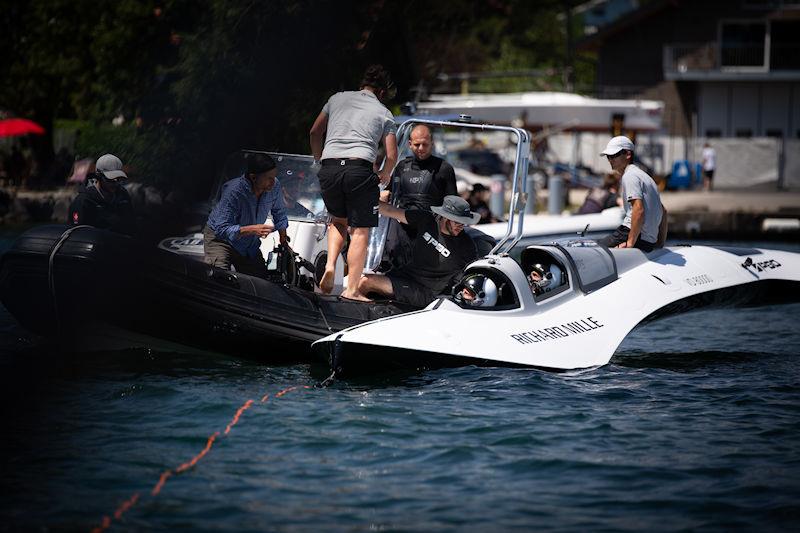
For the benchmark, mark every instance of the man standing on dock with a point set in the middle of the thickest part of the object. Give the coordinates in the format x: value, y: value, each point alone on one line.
x: 645, y: 223
x: 353, y: 124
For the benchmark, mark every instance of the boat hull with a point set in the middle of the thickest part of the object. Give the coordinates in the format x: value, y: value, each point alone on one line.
x: 93, y: 283
x: 577, y: 327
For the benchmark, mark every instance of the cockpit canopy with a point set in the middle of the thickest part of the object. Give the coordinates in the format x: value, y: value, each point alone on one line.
x: 593, y: 265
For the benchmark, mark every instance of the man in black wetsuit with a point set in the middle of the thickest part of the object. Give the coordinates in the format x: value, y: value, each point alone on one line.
x: 441, y: 251
x: 419, y: 182
x: 103, y: 202
x: 422, y: 180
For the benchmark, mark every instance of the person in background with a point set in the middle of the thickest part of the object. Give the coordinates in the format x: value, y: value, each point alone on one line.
x: 645, y: 222
x: 478, y: 201
x: 441, y: 252
x: 102, y: 201
x: 232, y: 235
x: 600, y: 198
x: 709, y: 165
x: 353, y: 124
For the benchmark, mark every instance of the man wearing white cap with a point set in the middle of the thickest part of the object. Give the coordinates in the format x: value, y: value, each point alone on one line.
x: 645, y: 223
x: 103, y: 202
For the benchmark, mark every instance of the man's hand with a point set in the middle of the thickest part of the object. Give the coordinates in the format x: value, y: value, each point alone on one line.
x: 385, y: 196
x: 622, y: 245
x: 385, y: 177
x: 259, y: 230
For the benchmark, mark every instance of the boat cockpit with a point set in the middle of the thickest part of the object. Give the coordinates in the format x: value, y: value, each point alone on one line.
x: 542, y: 273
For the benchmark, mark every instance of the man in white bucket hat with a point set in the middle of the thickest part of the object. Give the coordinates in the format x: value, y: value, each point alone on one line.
x: 645, y: 222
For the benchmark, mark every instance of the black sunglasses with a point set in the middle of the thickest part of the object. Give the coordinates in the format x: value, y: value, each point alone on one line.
x: 616, y: 155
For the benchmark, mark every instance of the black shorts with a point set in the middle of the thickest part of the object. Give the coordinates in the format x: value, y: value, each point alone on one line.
x: 350, y: 190
x: 709, y: 174
x: 408, y: 291
x: 620, y: 235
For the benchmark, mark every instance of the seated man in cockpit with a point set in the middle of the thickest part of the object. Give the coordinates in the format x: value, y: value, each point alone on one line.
x: 544, y: 279
x: 478, y: 290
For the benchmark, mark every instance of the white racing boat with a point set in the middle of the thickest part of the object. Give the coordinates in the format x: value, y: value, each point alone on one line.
x: 577, y: 322
x: 594, y: 298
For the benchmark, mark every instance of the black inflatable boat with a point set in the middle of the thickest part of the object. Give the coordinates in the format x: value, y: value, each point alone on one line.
x: 94, y: 289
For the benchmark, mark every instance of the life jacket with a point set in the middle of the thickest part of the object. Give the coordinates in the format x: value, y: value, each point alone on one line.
x: 415, y: 186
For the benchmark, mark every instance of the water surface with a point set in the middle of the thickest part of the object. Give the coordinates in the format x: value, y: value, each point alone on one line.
x: 694, y: 425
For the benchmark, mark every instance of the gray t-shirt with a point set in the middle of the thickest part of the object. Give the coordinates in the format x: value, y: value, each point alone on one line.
x: 357, y: 121
x: 637, y: 185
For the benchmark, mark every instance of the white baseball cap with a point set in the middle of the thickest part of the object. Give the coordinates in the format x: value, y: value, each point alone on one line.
x: 111, y: 167
x: 616, y: 145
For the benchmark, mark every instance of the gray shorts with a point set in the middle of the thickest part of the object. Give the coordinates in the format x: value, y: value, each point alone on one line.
x: 221, y: 254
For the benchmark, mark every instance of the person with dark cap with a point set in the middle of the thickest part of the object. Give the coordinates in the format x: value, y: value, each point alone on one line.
x: 232, y: 236
x: 103, y: 201
x: 477, y: 201
x: 441, y: 252
x: 353, y: 124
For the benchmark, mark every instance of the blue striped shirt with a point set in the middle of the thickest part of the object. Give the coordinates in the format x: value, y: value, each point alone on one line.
x: 239, y: 207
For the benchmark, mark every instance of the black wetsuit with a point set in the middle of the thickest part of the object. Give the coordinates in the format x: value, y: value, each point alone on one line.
x: 417, y: 184
x: 92, y: 208
x: 421, y: 184
x: 437, y: 261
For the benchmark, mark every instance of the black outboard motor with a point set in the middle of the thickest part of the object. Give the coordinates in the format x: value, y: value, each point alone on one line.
x: 283, y: 266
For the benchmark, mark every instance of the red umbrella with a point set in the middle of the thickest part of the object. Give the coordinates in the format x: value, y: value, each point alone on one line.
x: 19, y: 126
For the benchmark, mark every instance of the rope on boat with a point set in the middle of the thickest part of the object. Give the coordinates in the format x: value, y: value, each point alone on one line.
x: 126, y: 505
x: 51, y: 280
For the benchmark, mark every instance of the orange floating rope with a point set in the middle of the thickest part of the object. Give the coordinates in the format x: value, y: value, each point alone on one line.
x: 186, y: 466
x: 130, y: 502
x: 241, y: 410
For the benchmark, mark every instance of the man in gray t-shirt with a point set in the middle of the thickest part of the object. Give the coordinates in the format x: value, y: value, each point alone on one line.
x: 353, y: 124
x: 645, y: 223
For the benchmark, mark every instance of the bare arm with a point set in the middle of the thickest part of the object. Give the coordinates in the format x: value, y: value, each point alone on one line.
x: 391, y: 211
x: 317, y: 135
x: 662, y: 228
x: 637, y: 220
x: 390, y: 142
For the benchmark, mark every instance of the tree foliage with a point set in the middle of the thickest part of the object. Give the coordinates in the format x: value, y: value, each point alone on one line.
x: 195, y: 80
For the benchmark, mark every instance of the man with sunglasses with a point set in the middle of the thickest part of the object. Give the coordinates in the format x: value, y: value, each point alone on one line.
x: 441, y: 250
x: 353, y: 124
x: 103, y: 201
x: 645, y: 222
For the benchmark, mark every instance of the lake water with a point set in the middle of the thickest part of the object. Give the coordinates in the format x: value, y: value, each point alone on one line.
x: 695, y: 425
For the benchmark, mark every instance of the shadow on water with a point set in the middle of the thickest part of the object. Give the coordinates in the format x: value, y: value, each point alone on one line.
x: 683, y: 362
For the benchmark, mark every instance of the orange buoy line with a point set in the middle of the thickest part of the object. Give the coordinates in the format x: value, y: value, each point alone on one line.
x: 162, y: 480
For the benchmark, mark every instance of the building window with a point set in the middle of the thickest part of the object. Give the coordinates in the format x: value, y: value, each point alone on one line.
x: 743, y: 44
x: 775, y: 133
x: 713, y: 133
x: 744, y: 133
x: 784, y: 49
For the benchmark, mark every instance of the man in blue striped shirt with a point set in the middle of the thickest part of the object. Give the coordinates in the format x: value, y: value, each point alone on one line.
x: 237, y: 223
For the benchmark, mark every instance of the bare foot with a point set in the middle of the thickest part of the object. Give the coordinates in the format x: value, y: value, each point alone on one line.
x: 354, y: 296
x: 326, y: 282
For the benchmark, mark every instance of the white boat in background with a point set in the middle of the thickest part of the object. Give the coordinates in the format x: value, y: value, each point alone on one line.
x: 537, y: 110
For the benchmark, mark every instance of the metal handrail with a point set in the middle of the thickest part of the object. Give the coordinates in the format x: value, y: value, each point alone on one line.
x: 519, y: 184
